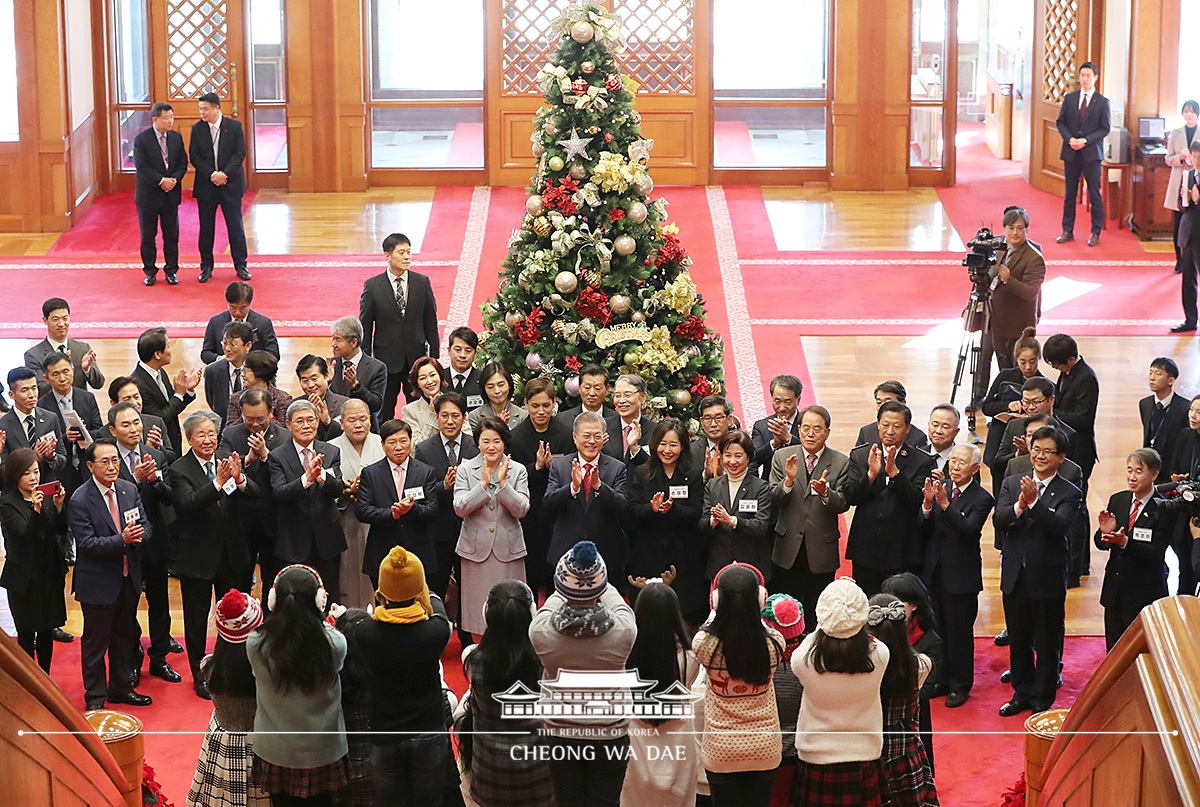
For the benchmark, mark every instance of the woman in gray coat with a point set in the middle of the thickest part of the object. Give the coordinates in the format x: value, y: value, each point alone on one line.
x: 491, y: 494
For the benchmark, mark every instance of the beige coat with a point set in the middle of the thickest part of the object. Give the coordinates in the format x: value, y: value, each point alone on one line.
x: 1176, y: 146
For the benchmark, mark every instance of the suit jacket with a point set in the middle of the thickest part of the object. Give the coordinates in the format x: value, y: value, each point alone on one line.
x: 1177, y: 145
x: 1185, y: 454
x: 763, y: 450
x: 398, y: 339
x: 615, y: 447
x: 750, y: 541
x: 264, y: 335
x: 148, y: 423
x: 805, y: 519
x: 157, y: 500
x: 207, y: 521
x: 472, y: 390
x: 99, y: 547
x: 151, y: 170
x: 32, y: 553
x: 259, y: 516
x: 952, y: 539
x: 1006, y: 451
x: 334, y: 403
x: 1189, y: 222
x: 84, y: 404
x: 1075, y: 405
x: 44, y: 423
x: 1036, y: 543
x: 1017, y: 304
x: 217, y: 389
x: 231, y: 151
x: 491, y: 515
x: 869, y: 433
x: 662, y: 540
x: 1136, y: 576
x: 77, y: 349
x: 376, y: 495
x: 309, y: 519
x: 523, y: 447
x: 1164, y: 438
x: 1023, y: 466
x: 1093, y: 126
x: 445, y: 524
x: 372, y: 382
x: 596, y: 517
x: 885, y: 533
x: 167, y: 408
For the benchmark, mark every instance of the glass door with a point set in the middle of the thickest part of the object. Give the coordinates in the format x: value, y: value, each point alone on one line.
x: 266, y: 127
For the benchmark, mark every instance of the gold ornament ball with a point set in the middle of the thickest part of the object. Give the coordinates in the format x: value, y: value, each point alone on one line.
x: 582, y: 32
x: 556, y: 328
x: 534, y: 206
x: 638, y: 212
x: 624, y: 244
x: 592, y: 277
x: 578, y: 171
x: 555, y: 163
x: 632, y: 356
x: 538, y: 149
x: 645, y: 186
x: 593, y: 130
x: 680, y: 398
x: 566, y: 282
x: 639, y: 317
x: 551, y: 129
x: 619, y: 303
x: 512, y: 318
x: 587, y: 67
x: 541, y: 226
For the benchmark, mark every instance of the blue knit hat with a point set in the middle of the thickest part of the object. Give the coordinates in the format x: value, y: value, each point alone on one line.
x: 581, y: 575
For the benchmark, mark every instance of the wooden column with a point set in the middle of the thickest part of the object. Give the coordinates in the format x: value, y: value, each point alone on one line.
x: 1153, y: 62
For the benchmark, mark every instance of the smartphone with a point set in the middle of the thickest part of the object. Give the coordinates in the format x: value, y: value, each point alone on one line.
x: 50, y: 489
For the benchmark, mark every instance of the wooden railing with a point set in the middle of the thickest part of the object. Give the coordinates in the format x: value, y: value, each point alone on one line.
x: 1133, y: 736
x: 41, y: 761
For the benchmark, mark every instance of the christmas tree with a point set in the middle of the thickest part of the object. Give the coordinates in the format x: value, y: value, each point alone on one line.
x: 595, y: 274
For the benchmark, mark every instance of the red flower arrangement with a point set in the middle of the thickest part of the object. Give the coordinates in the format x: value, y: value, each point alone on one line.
x: 559, y: 198
x: 671, y: 249
x: 527, y: 330
x: 151, y: 790
x: 593, y: 305
x: 691, y: 329
x: 616, y: 214
x: 573, y: 364
x: 701, y: 387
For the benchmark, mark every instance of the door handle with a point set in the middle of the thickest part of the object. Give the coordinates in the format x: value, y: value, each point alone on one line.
x: 233, y: 87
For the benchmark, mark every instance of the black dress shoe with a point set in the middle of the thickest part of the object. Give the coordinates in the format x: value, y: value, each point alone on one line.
x: 161, y: 669
x: 936, y: 691
x: 1006, y: 677
x: 132, y: 698
x: 202, y: 690
x: 1064, y: 238
x: 1014, y: 707
x: 174, y: 647
x: 1058, y: 685
x: 1094, y: 240
x: 1001, y: 639
x: 61, y: 635
x: 1074, y: 582
x: 243, y: 273
x: 1184, y: 327
x: 172, y: 280
x: 205, y: 274
x: 94, y: 706
x: 136, y: 678
x: 150, y: 280
x: 955, y: 700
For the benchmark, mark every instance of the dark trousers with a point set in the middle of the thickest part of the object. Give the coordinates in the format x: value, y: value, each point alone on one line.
x: 1090, y: 171
x: 158, y: 612
x: 410, y: 772
x: 108, y: 629
x: 803, y: 584
x: 1189, y: 264
x: 1184, y: 548
x: 956, y: 618
x: 1035, y: 635
x: 870, y: 580
x: 1176, y: 217
x: 1118, y: 618
x: 396, y: 383
x: 991, y: 345
x: 232, y: 210
x: 149, y: 220
x: 741, y: 789
x: 197, y: 594
x: 39, y: 645
x: 595, y: 782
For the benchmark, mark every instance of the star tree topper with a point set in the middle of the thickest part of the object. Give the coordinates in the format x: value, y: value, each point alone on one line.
x: 576, y: 146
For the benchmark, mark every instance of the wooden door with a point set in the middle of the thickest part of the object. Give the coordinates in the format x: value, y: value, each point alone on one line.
x: 1062, y: 42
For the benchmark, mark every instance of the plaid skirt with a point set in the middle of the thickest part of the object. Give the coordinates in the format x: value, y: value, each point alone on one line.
x: 299, y: 782
x: 360, y: 789
x: 223, y: 771
x: 842, y: 784
x: 909, y: 778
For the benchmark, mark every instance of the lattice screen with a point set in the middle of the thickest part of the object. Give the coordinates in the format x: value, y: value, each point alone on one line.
x: 1062, y: 30
x: 660, y: 37
x: 198, y: 47
x: 527, y: 43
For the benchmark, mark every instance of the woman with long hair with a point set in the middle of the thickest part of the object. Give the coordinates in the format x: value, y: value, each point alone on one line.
x: 223, y: 771
x: 910, y: 778
x: 662, y: 654
x: 665, y: 501
x: 839, y: 733
x: 299, y: 733
x: 497, y: 385
x: 426, y: 378
x: 741, y: 748
x: 34, y: 567
x: 360, y: 789
x: 1003, y: 400
x: 504, y: 771
x: 924, y: 638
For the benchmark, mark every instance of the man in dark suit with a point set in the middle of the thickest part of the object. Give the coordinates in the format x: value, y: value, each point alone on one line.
x: 884, y: 482
x: 398, y: 497
x: 313, y: 372
x: 1077, y: 399
x: 217, y: 147
x: 163, y: 396
x: 443, y: 452
x: 161, y: 161
x: 715, y: 422
x: 1037, y: 398
x: 253, y: 440
x: 74, y: 407
x: 952, y: 517
x: 238, y: 297
x: 306, y: 479
x: 462, y: 376
x: 586, y: 497
x: 890, y: 390
x: 1036, y: 513
x: 593, y: 392
x: 1188, y: 239
x: 56, y: 313
x: 147, y: 468
x: 1164, y: 414
x: 154, y: 430
x: 1083, y: 122
x: 210, y: 555
x: 355, y: 374
x: 628, y: 429
x: 781, y: 429
x: 223, y: 377
x: 806, y: 489
x: 399, y: 319
x: 109, y: 525
x: 28, y: 425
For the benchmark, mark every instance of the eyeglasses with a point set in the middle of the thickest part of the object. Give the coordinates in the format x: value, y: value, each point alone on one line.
x: 309, y: 421
x: 1029, y: 402
x: 1043, y: 452
x: 812, y: 429
x: 713, y: 419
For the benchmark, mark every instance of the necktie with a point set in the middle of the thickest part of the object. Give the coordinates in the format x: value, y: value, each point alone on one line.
x: 954, y: 494
x: 400, y: 295
x: 162, y: 144
x: 588, y: 470
x: 1134, y: 513
x: 129, y: 460
x: 29, y: 427
x: 810, y: 463
x: 458, y: 384
x: 111, y: 496
x: 399, y: 483
x: 1040, y: 487
x: 237, y: 381
x: 625, y: 437
x: 305, y: 459
x: 1083, y: 106
x: 215, y: 131
x: 208, y: 469
x: 451, y: 454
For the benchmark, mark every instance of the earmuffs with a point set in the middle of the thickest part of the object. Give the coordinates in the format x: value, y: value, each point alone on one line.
x: 322, y: 598
x: 530, y: 600
x: 762, y: 585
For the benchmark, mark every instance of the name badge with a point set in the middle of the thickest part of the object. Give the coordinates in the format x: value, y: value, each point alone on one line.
x: 131, y: 515
x: 748, y: 506
x: 679, y: 492
x: 229, y: 487
x: 417, y: 494
x: 1143, y: 534
x: 474, y: 401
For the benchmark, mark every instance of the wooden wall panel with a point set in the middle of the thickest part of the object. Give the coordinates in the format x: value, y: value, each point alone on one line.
x: 81, y: 157
x: 351, y: 93
x: 1154, y: 61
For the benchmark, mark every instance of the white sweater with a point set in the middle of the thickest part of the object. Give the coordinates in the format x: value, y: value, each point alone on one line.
x: 841, y: 714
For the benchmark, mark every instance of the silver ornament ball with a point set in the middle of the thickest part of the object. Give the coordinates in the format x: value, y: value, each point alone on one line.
x: 582, y: 32
x: 639, y: 317
x: 566, y: 282
x: 619, y: 303
x: 534, y: 206
x: 578, y: 171
x: 638, y: 212
x: 624, y: 244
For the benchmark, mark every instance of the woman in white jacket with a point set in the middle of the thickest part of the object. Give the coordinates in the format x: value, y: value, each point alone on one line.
x: 1180, y: 161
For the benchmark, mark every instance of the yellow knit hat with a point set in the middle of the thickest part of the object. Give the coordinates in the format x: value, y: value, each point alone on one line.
x: 401, y: 578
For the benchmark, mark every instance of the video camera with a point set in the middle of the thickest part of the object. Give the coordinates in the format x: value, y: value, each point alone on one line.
x: 982, y: 258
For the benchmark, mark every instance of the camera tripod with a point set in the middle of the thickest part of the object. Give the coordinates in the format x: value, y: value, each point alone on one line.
x: 977, y: 316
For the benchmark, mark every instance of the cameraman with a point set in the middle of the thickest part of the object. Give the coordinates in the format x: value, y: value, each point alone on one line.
x: 1017, y: 300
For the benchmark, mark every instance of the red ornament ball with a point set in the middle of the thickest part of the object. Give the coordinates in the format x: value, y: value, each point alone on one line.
x: 612, y: 82
x: 579, y: 86
x: 608, y: 138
